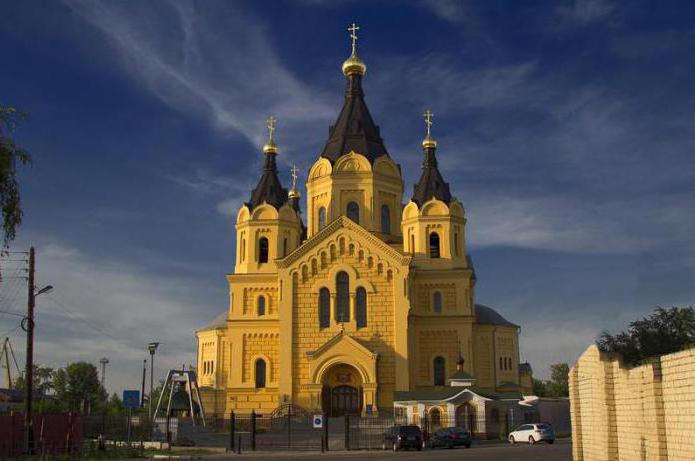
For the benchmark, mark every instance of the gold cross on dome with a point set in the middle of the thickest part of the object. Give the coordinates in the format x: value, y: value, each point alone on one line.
x: 428, y: 120
x: 353, y: 35
x: 271, y: 127
x: 294, y: 171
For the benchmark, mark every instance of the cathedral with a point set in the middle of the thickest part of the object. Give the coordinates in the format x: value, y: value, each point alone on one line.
x: 366, y: 303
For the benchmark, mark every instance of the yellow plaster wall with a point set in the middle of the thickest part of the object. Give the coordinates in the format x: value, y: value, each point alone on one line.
x: 378, y: 336
x: 645, y: 412
x: 433, y: 342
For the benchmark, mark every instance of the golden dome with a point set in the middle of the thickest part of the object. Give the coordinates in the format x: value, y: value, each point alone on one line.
x: 294, y: 193
x: 270, y: 148
x: 429, y: 142
x: 354, y: 65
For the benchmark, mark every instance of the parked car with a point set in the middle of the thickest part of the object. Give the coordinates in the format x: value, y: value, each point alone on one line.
x: 399, y: 437
x: 450, y: 437
x: 532, y: 433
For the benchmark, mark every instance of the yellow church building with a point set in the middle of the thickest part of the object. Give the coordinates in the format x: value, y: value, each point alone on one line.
x: 366, y: 306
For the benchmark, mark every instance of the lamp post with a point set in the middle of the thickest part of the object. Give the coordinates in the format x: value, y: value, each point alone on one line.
x: 28, y: 326
x: 103, y: 361
x: 152, y: 348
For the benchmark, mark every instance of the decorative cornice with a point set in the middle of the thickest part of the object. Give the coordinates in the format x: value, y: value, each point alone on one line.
x: 342, y: 222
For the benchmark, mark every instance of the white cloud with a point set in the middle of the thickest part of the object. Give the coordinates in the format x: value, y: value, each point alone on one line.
x: 103, y: 307
x: 195, y: 62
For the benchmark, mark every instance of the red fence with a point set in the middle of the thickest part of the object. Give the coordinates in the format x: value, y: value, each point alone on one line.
x: 53, y: 434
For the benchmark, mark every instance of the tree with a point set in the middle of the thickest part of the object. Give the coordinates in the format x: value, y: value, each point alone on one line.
x: 10, y: 155
x: 539, y: 388
x: 42, y: 378
x: 663, y: 332
x: 77, y: 387
x: 558, y: 386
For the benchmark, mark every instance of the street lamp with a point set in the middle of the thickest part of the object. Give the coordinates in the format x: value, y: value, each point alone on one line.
x: 103, y: 362
x: 152, y: 348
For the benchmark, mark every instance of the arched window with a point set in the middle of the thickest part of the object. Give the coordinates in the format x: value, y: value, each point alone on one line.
x: 324, y: 308
x: 437, y: 302
x: 435, y: 418
x: 243, y: 249
x: 263, y: 250
x: 353, y: 211
x: 284, y: 247
x: 385, y: 219
x: 261, y: 305
x: 342, y: 298
x: 322, y: 218
x: 260, y: 374
x: 361, y: 307
x: 434, y: 245
x: 412, y: 243
x: 212, y: 367
x: 439, y: 371
x: 501, y: 366
x: 456, y: 243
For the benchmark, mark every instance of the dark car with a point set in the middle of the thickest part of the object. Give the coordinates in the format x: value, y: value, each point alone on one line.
x: 450, y: 437
x: 399, y: 437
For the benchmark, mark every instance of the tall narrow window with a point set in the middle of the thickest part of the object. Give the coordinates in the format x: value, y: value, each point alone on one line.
x: 322, y: 218
x: 385, y: 219
x: 456, y: 243
x: 261, y: 305
x: 260, y: 374
x: 435, y: 418
x: 353, y: 211
x: 439, y: 371
x: 342, y: 298
x: 434, y: 245
x: 263, y: 250
x: 284, y: 247
x: 437, y: 302
x: 412, y: 243
x: 361, y: 307
x: 501, y: 366
x: 243, y: 249
x: 324, y: 308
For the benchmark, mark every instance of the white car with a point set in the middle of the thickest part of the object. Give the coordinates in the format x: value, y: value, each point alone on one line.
x: 532, y: 433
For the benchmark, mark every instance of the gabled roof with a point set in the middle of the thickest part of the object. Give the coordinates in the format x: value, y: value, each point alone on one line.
x: 339, y: 223
x: 461, y: 375
x: 354, y: 129
x: 488, y: 316
x: 450, y: 393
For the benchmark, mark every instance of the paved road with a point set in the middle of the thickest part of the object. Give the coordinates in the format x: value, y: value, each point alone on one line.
x: 560, y: 451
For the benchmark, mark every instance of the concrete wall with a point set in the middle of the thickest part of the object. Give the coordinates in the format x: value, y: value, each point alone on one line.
x: 645, y: 412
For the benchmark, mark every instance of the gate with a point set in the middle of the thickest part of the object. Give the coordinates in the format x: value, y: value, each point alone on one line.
x: 287, y: 428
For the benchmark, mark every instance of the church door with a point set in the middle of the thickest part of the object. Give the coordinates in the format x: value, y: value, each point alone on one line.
x: 465, y: 417
x: 345, y: 400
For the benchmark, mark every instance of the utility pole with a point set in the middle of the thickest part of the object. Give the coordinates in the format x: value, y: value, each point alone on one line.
x: 29, y: 374
x: 144, y: 372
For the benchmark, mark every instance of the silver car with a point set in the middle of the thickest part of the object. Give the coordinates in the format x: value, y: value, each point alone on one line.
x: 532, y: 433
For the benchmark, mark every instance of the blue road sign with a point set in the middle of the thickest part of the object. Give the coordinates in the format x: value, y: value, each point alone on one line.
x: 131, y: 399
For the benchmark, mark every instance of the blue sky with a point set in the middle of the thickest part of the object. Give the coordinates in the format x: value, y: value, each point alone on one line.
x: 565, y: 128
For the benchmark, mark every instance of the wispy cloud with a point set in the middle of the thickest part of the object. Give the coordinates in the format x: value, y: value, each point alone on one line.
x: 103, y: 307
x: 195, y: 62
x: 587, y: 11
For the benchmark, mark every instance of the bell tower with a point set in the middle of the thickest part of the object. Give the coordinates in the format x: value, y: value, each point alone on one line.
x: 355, y: 176
x: 269, y: 225
x: 433, y: 222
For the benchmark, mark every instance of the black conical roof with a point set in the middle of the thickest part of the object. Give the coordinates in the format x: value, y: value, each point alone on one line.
x: 269, y: 189
x: 354, y: 130
x: 431, y: 183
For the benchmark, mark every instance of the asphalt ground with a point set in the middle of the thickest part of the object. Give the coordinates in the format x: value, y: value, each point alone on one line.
x: 561, y: 450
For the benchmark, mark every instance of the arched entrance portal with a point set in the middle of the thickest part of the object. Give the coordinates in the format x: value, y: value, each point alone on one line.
x: 342, y: 391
